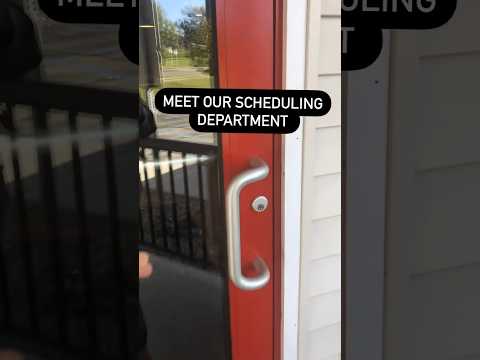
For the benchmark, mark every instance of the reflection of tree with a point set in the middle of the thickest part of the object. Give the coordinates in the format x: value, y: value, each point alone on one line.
x: 169, y: 35
x: 196, y: 34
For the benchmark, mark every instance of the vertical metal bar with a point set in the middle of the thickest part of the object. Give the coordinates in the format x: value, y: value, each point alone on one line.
x: 158, y: 177
x: 83, y: 233
x: 215, y: 206
x: 174, y: 201
x: 202, y: 210
x: 149, y: 198
x: 50, y: 202
x: 25, y: 238
x: 4, y: 294
x: 115, y: 234
x: 4, y: 280
x: 140, y: 221
x: 187, y: 205
x: 7, y: 119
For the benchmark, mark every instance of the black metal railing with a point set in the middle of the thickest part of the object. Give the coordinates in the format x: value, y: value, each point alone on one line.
x: 179, y: 200
x: 68, y: 250
x: 68, y: 231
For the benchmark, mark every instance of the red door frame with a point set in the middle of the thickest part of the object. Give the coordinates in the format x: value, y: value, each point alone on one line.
x: 250, y: 51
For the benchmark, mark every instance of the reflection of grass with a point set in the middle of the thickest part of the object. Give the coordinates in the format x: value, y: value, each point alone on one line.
x: 200, y: 82
x: 177, y: 62
x: 184, y: 61
x: 199, y: 79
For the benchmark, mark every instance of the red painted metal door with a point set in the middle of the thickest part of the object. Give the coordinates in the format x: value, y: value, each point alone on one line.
x: 249, y: 56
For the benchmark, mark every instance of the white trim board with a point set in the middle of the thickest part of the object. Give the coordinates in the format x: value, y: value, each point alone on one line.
x: 295, y: 52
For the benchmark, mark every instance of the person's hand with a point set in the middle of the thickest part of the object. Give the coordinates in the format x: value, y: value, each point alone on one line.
x: 145, y: 268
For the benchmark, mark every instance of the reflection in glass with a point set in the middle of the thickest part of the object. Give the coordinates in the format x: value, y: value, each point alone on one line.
x: 176, y: 50
x: 184, y: 300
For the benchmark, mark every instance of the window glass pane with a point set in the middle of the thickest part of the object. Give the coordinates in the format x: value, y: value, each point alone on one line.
x: 176, y: 50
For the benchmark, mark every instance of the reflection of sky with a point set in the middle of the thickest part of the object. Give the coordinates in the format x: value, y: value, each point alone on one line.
x: 173, y: 8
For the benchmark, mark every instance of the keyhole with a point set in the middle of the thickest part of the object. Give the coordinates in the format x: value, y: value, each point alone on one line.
x: 260, y: 204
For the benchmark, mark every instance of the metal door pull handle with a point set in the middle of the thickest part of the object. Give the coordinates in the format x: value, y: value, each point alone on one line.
x: 258, y: 172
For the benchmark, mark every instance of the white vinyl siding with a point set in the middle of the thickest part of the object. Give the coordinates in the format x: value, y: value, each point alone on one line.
x: 320, y: 265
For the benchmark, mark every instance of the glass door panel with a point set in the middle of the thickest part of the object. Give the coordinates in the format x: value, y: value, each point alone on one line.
x: 184, y: 301
x: 177, y: 49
